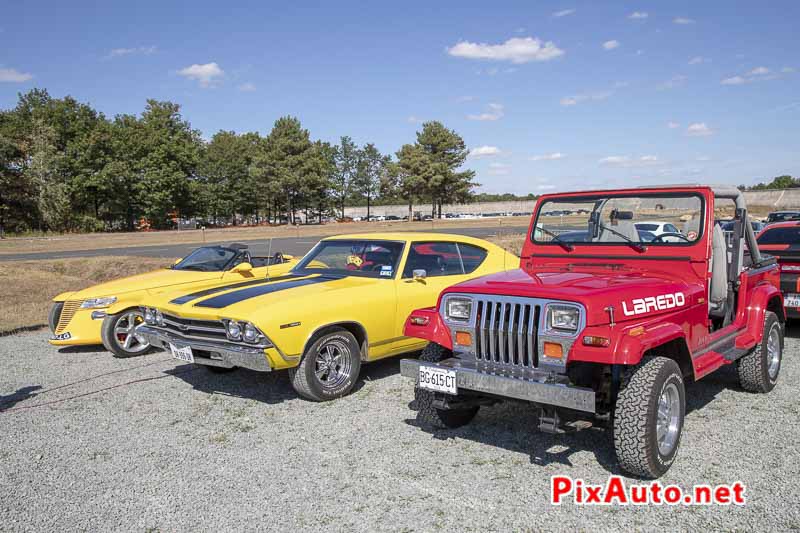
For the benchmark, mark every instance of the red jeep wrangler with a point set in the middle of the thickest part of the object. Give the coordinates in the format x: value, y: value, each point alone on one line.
x: 620, y: 297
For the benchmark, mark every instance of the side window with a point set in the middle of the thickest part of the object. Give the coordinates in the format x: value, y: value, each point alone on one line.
x: 471, y: 257
x: 670, y: 228
x: 435, y: 258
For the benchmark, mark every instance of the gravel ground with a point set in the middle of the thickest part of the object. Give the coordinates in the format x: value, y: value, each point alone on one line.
x: 182, y: 449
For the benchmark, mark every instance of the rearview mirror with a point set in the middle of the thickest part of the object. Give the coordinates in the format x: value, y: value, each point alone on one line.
x: 242, y: 268
x: 419, y: 274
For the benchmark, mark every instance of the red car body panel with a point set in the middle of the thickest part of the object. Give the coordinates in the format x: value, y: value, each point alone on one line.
x: 614, y: 275
x: 788, y: 255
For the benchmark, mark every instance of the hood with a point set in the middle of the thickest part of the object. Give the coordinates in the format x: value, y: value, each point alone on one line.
x: 247, y: 300
x: 632, y: 293
x: 149, y: 281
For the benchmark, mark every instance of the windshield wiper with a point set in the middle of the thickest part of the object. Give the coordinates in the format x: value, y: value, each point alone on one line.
x: 639, y: 247
x: 556, y: 238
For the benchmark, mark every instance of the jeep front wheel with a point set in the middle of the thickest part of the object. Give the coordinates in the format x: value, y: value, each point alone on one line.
x: 329, y: 368
x: 648, y: 417
x: 427, y: 413
x: 758, y: 371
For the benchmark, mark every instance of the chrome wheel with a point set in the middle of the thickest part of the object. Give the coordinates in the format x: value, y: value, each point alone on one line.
x: 333, y: 366
x: 125, y: 332
x: 668, y: 419
x: 774, y: 352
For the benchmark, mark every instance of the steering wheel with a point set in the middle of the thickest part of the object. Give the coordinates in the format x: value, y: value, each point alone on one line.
x: 660, y: 238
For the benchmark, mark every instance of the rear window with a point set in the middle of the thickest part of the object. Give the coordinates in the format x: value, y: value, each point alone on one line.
x: 647, y: 227
x: 780, y: 236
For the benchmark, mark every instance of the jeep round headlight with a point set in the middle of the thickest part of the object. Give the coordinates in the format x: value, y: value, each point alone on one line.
x: 458, y: 309
x: 97, y: 303
x: 250, y: 333
x: 563, y: 317
x: 234, y: 330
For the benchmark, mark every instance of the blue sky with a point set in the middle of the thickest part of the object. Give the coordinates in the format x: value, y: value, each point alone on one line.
x: 549, y: 95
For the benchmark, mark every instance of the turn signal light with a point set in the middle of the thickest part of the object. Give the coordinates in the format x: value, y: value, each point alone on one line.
x: 600, y: 342
x: 463, y: 338
x: 420, y: 320
x: 553, y: 350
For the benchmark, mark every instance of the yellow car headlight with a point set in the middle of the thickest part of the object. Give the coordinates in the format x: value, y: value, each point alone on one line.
x: 98, y: 303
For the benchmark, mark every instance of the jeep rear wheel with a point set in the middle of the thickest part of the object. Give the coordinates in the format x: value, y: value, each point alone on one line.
x: 648, y: 417
x: 758, y: 371
x: 329, y: 368
x: 427, y: 413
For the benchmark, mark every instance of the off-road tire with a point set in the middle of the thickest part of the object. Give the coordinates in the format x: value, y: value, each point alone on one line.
x: 107, y: 335
x: 54, y: 316
x: 635, y: 416
x: 753, y: 368
x: 304, y: 378
x: 427, y: 414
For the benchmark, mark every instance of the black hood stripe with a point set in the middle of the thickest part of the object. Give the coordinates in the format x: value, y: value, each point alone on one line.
x: 238, y: 285
x: 224, y: 300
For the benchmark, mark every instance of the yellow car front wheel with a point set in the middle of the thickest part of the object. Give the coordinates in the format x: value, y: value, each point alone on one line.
x: 330, y: 366
x: 119, y: 335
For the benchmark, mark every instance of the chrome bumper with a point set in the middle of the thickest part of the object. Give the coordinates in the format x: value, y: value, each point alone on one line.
x: 468, y: 378
x: 225, y: 355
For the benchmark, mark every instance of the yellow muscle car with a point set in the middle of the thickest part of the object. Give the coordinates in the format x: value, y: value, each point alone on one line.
x: 110, y: 314
x: 343, y: 304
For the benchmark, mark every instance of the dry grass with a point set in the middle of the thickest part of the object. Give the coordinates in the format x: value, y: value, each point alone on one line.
x: 70, y: 242
x: 28, y: 286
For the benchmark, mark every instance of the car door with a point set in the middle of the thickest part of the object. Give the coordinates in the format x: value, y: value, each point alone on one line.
x: 445, y: 264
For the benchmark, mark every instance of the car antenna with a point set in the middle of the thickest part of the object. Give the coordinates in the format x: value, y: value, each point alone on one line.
x: 269, y: 254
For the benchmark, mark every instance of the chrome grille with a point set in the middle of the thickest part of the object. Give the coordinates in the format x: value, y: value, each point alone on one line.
x: 67, y: 312
x: 195, y: 329
x: 506, y: 333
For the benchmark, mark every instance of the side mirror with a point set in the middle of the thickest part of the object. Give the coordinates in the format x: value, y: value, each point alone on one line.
x: 242, y: 268
x: 177, y: 261
x: 419, y: 274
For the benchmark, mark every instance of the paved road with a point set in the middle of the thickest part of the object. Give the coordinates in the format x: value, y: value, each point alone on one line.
x: 289, y: 245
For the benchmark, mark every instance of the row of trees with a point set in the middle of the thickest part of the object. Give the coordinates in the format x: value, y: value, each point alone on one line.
x: 66, y: 167
x: 779, y: 182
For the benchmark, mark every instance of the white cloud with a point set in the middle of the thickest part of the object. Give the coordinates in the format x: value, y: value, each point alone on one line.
x: 11, y: 75
x: 787, y: 70
x: 143, y: 50
x: 610, y: 45
x: 683, y: 20
x: 247, y: 87
x: 462, y: 99
x: 699, y: 129
x: 591, y: 97
x: 638, y: 15
x: 698, y: 60
x: 703, y: 158
x: 675, y: 81
x: 735, y: 80
x: 624, y: 161
x: 206, y: 74
x: 673, y: 125
x: 493, y: 112
x: 564, y: 13
x: 484, y: 151
x: 415, y: 120
x: 499, y: 169
x: 758, y: 71
x: 548, y: 157
x: 515, y: 50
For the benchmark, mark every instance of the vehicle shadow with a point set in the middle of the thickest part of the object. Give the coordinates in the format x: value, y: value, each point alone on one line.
x: 82, y: 349
x: 793, y: 329
x: 512, y: 426
x: 22, y: 394
x: 269, y: 387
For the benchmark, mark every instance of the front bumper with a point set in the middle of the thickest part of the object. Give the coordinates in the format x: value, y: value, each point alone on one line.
x: 210, y: 353
x: 469, y: 378
x: 81, y: 329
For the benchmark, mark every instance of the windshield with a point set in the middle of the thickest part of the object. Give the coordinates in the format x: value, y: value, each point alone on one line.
x: 208, y: 259
x: 373, y: 259
x: 652, y: 219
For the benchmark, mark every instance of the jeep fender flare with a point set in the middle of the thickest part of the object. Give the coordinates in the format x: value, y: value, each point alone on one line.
x: 632, y: 348
x: 763, y: 298
x: 434, y: 330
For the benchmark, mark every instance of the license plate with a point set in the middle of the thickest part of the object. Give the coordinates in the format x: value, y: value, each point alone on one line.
x: 184, y: 353
x: 437, y: 379
x: 791, y: 300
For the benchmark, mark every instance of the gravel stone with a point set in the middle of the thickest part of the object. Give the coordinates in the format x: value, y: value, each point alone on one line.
x: 152, y: 444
